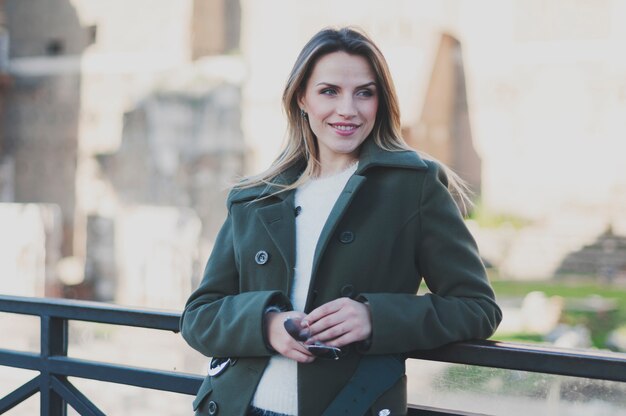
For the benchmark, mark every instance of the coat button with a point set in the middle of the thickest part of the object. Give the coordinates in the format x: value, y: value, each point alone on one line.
x: 347, y: 291
x: 346, y: 237
x: 261, y: 257
x: 212, y: 408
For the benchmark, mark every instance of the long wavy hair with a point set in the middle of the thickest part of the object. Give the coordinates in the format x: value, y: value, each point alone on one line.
x: 301, y: 143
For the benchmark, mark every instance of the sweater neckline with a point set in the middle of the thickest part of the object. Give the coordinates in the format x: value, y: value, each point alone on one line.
x: 350, y: 169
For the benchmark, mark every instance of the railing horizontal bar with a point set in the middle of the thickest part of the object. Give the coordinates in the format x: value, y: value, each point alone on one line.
x: 133, y: 376
x: 415, y: 410
x: 560, y: 361
x: 81, y: 310
x: 20, y: 394
x: 19, y: 359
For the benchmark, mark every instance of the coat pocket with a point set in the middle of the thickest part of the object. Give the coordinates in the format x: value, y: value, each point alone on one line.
x: 203, y: 392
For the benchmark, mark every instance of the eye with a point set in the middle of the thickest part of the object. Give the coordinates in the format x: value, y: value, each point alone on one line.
x: 328, y: 91
x: 365, y: 93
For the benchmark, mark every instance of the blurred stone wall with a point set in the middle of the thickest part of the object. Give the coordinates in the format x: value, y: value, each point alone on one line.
x: 113, y: 113
x: 45, y: 28
x: 6, y: 161
x: 30, y: 247
x: 180, y: 148
x: 216, y: 26
x: 157, y: 250
x: 170, y: 175
x: 42, y: 137
x: 41, y: 108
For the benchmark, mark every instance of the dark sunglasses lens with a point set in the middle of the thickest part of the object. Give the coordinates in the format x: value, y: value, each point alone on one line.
x: 296, y: 330
x: 324, y: 351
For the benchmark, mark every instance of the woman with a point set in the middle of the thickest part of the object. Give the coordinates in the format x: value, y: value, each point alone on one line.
x: 331, y: 243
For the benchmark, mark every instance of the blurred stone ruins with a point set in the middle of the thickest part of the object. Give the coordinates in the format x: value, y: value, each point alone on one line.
x: 116, y: 151
x: 123, y: 123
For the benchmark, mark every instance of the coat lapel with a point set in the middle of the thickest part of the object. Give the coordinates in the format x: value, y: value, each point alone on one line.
x: 279, y: 221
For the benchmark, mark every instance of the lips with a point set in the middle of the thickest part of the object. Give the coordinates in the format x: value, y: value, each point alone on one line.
x: 345, y: 128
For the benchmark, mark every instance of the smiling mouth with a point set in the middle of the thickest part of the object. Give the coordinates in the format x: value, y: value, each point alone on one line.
x: 345, y: 127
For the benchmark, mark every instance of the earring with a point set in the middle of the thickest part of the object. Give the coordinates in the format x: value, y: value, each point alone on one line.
x: 303, y: 113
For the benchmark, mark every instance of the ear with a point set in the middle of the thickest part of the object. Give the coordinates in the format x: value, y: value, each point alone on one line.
x: 301, y: 101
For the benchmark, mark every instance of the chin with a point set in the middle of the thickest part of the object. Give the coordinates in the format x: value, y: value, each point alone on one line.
x: 348, y: 146
x: 345, y: 150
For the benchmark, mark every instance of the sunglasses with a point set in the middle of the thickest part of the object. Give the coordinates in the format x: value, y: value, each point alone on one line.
x: 302, y: 333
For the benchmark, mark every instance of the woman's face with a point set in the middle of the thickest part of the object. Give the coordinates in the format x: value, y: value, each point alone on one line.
x: 341, y: 100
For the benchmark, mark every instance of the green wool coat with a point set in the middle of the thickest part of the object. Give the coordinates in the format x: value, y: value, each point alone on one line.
x: 394, y: 225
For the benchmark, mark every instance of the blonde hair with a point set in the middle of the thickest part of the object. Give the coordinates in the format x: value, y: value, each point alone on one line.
x: 301, y: 142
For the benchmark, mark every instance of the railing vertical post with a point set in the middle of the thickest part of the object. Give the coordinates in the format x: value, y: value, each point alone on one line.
x: 54, y: 342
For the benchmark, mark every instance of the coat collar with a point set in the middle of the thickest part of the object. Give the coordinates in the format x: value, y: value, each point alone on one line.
x: 290, y: 175
x: 371, y: 156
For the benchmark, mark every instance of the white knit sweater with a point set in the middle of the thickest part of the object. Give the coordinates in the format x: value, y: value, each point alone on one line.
x: 278, y: 388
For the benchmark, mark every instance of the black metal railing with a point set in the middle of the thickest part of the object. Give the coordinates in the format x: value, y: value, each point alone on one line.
x: 54, y: 365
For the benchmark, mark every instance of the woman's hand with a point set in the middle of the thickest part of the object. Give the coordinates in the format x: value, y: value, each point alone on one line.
x: 281, y: 341
x: 339, y: 322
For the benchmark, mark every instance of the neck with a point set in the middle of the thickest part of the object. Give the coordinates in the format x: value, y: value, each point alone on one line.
x: 331, y: 168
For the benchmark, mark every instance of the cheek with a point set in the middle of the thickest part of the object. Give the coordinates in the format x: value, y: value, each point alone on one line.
x: 316, y: 123
x: 375, y: 109
x: 369, y: 111
x: 320, y: 110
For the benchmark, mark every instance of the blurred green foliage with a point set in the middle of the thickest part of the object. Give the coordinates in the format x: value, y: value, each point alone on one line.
x: 490, y: 219
x: 599, y: 323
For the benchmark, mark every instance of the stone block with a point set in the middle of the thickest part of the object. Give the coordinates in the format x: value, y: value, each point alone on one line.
x: 157, y: 255
x: 30, y: 245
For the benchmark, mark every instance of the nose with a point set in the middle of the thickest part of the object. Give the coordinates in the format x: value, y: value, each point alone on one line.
x: 346, y: 107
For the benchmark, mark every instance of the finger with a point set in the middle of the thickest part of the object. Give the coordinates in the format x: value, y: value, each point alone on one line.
x: 326, y: 309
x: 343, y: 340
x: 342, y: 304
x: 330, y: 334
x: 357, y: 325
x: 302, y: 349
x: 349, y: 311
x: 301, y: 358
x: 342, y: 337
x: 298, y: 352
x: 325, y: 323
x: 294, y: 350
x: 337, y: 310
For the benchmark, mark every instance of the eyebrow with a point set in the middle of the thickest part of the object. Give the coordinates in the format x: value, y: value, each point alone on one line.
x: 337, y: 86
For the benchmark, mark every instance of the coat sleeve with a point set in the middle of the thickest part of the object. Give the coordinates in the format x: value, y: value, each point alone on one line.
x: 461, y: 304
x: 220, y: 321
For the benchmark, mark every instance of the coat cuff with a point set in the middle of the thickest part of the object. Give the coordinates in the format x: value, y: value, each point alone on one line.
x: 363, y: 347
x: 276, y: 304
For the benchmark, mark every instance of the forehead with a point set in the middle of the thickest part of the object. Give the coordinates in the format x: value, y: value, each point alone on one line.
x: 341, y: 67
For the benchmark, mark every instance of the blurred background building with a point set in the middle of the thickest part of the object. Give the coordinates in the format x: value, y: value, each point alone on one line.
x: 120, y: 133
x: 124, y: 123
